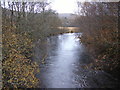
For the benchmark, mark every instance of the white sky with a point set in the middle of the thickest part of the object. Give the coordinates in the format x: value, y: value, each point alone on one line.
x: 70, y: 6
x: 64, y: 6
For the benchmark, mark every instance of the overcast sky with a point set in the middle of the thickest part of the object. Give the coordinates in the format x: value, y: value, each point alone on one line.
x: 70, y: 6
x: 64, y: 6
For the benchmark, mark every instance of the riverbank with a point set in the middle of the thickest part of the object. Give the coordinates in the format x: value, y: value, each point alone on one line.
x: 105, y: 56
x: 65, y: 64
x: 18, y: 68
x: 98, y: 23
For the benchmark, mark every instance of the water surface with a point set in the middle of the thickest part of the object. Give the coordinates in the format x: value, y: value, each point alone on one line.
x: 63, y: 67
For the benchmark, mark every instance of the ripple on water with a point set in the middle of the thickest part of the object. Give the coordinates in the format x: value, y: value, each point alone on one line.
x: 62, y: 68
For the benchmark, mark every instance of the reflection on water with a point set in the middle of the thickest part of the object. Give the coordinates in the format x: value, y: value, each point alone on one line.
x: 62, y: 61
x: 62, y: 68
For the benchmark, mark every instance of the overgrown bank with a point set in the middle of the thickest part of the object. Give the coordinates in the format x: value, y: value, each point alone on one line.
x: 18, y: 68
x: 22, y: 26
x: 99, y: 25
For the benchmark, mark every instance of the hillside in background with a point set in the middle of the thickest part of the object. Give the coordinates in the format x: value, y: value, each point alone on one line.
x: 67, y: 19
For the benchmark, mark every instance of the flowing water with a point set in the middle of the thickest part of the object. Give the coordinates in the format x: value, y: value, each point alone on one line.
x: 63, y: 67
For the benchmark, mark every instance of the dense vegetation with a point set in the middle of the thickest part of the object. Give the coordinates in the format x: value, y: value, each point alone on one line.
x: 98, y: 21
x: 23, y: 24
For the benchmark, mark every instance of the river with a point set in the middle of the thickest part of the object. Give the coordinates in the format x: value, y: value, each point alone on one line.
x: 63, y: 66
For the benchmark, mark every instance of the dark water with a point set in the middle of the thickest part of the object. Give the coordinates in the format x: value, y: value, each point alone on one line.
x: 63, y: 67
